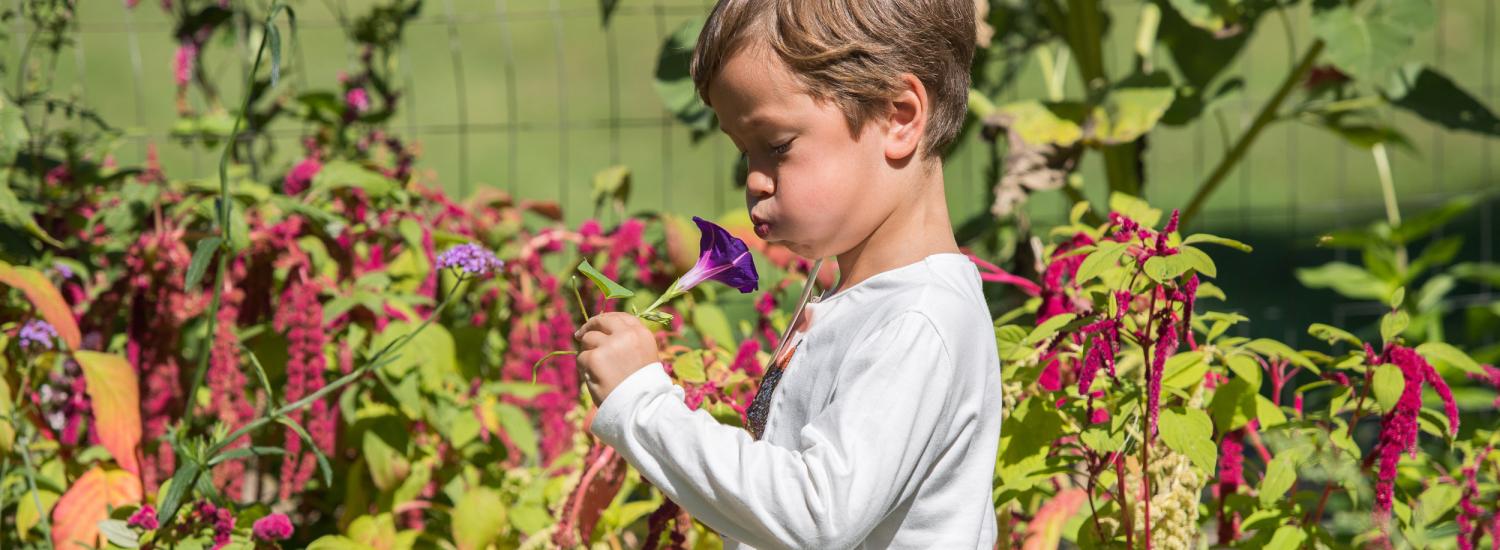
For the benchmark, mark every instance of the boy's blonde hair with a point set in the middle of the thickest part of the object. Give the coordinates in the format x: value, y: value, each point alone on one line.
x: 851, y: 52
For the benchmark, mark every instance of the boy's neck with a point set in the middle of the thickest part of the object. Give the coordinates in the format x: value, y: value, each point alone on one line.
x: 916, y: 229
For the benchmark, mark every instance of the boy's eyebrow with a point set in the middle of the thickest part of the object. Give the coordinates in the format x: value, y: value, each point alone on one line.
x: 753, y: 120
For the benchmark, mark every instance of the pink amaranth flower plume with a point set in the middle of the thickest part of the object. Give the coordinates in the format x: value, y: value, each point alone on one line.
x: 271, y: 528
x: 1399, y: 428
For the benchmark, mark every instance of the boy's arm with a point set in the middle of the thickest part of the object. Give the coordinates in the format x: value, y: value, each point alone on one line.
x: 863, y: 453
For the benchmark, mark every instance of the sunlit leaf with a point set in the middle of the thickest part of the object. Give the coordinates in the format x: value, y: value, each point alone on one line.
x: 609, y: 288
x: 75, y: 519
x: 45, y: 298
x: 115, y: 397
x: 478, y: 518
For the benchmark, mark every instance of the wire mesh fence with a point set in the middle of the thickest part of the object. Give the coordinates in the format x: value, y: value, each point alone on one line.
x: 535, y: 96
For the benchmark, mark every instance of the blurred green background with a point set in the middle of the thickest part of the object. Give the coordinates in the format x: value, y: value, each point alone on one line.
x: 536, y: 96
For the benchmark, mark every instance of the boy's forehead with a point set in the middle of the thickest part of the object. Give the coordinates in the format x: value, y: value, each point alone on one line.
x: 751, y: 90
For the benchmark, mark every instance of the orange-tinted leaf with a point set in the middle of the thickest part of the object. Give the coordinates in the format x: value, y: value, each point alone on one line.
x: 76, y: 518
x: 1045, y: 530
x: 604, y: 473
x: 116, y: 397
x: 45, y: 298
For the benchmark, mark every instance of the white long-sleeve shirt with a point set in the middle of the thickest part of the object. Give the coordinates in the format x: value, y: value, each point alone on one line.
x: 882, y: 431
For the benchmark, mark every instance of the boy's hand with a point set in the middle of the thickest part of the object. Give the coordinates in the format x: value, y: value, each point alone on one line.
x: 613, y: 346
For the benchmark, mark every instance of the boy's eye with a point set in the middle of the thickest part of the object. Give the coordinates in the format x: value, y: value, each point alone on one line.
x: 783, y: 148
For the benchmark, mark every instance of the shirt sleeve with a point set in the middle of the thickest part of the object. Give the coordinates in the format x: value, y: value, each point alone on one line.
x: 861, y: 457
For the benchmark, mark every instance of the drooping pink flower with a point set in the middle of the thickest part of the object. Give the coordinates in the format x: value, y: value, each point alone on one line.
x: 300, y: 317
x: 226, y: 381
x: 1398, y: 428
x: 182, y: 62
x: 1166, y: 345
x: 1469, y: 513
x: 1231, y: 477
x: 272, y: 528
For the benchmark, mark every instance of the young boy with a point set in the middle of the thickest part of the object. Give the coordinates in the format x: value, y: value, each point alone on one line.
x: 881, y: 431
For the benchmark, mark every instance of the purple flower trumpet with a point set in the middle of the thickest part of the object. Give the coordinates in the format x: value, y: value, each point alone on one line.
x: 721, y: 257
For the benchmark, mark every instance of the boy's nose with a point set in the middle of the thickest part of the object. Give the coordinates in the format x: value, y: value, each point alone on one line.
x: 759, y: 185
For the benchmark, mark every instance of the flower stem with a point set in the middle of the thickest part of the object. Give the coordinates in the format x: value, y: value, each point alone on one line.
x: 1388, y: 193
x: 222, y: 221
x: 581, y: 309
x: 1262, y: 119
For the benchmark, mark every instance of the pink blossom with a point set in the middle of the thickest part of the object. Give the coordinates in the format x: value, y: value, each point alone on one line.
x: 183, y: 60
x: 301, y: 175
x: 745, y: 359
x: 300, y: 316
x: 272, y: 528
x: 1166, y: 345
x: 357, y: 100
x: 145, y: 518
x: 1398, y: 428
x: 59, y: 175
x: 1231, y: 477
x: 1468, y: 513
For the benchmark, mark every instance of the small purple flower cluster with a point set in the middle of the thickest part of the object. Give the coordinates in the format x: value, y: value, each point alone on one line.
x: 471, y: 259
x: 37, y: 334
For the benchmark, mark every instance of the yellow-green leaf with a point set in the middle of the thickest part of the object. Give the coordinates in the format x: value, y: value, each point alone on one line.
x: 45, y: 298
x: 478, y: 518
x: 116, y: 401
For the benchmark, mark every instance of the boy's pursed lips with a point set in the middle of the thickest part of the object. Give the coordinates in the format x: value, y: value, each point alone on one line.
x: 762, y: 225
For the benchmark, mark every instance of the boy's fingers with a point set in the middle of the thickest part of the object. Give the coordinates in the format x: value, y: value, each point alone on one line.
x: 592, y: 339
x: 608, y: 323
x: 595, y: 324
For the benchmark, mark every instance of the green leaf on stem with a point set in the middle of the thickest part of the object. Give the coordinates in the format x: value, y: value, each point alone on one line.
x: 1272, y: 348
x: 1332, y: 334
x: 1245, y: 368
x: 1439, y: 352
x: 1346, y: 279
x: 1215, y: 239
x: 322, y: 460
x: 199, y: 265
x: 1393, y: 324
x: 1199, y: 261
x: 610, y: 289
x: 1106, y: 256
x: 689, y: 368
x: 1281, y: 474
x: 1189, y: 431
x: 177, y: 488
x: 1397, y: 298
x: 1389, y: 383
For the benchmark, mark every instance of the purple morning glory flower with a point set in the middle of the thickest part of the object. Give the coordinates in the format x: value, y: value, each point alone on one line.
x: 722, y: 257
x: 471, y: 259
x: 37, y: 334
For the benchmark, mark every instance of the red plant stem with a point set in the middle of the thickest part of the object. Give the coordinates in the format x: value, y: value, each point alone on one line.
x: 1146, y: 437
x: 1353, y: 421
x: 1260, y: 448
x: 1124, y: 501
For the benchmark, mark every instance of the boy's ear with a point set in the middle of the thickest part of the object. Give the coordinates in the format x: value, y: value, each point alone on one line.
x: 907, y: 118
